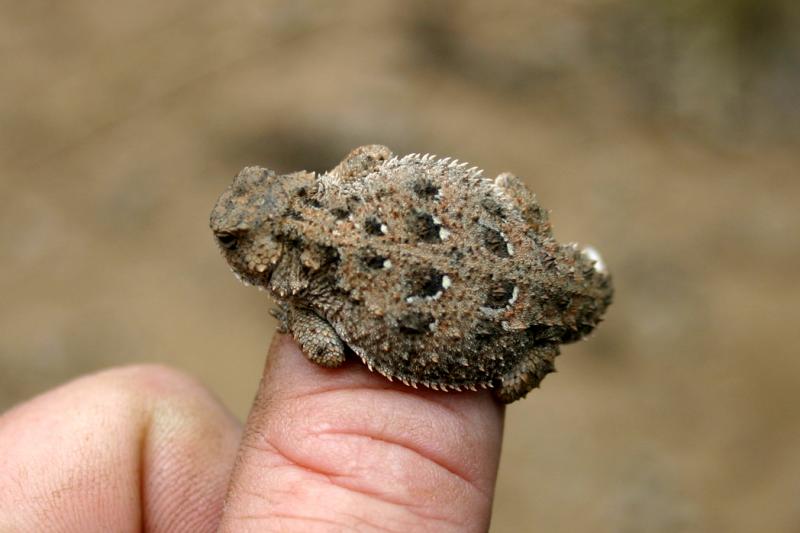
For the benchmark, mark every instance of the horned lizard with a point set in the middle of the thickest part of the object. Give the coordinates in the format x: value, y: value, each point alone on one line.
x: 428, y: 272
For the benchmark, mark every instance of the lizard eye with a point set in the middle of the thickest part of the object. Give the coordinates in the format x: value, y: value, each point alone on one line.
x: 227, y: 240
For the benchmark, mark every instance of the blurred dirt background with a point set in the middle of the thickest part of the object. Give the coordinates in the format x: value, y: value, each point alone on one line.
x: 667, y: 134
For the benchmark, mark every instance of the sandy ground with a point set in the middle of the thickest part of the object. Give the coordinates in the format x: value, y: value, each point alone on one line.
x: 120, y: 123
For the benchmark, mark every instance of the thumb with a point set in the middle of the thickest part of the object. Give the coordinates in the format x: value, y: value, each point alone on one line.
x: 340, y: 449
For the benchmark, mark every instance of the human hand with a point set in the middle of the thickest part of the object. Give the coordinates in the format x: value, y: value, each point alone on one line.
x: 148, y: 449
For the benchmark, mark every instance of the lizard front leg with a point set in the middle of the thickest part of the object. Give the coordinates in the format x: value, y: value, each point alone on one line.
x: 316, y: 337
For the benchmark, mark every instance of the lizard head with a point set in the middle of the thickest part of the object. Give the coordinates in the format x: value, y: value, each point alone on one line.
x: 247, y: 221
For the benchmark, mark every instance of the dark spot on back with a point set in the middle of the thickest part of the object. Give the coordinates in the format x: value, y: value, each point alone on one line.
x: 425, y: 188
x: 312, y: 202
x: 415, y: 323
x: 426, y: 282
x: 372, y: 226
x: 330, y: 255
x: 494, y: 241
x: 493, y: 207
x: 423, y: 227
x: 499, y: 294
x: 373, y: 260
x: 340, y: 212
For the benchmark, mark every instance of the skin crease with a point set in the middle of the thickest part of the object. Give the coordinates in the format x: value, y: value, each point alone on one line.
x: 148, y: 449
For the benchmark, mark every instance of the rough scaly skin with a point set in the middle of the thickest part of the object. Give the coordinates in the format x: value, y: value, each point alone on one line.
x: 429, y: 272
